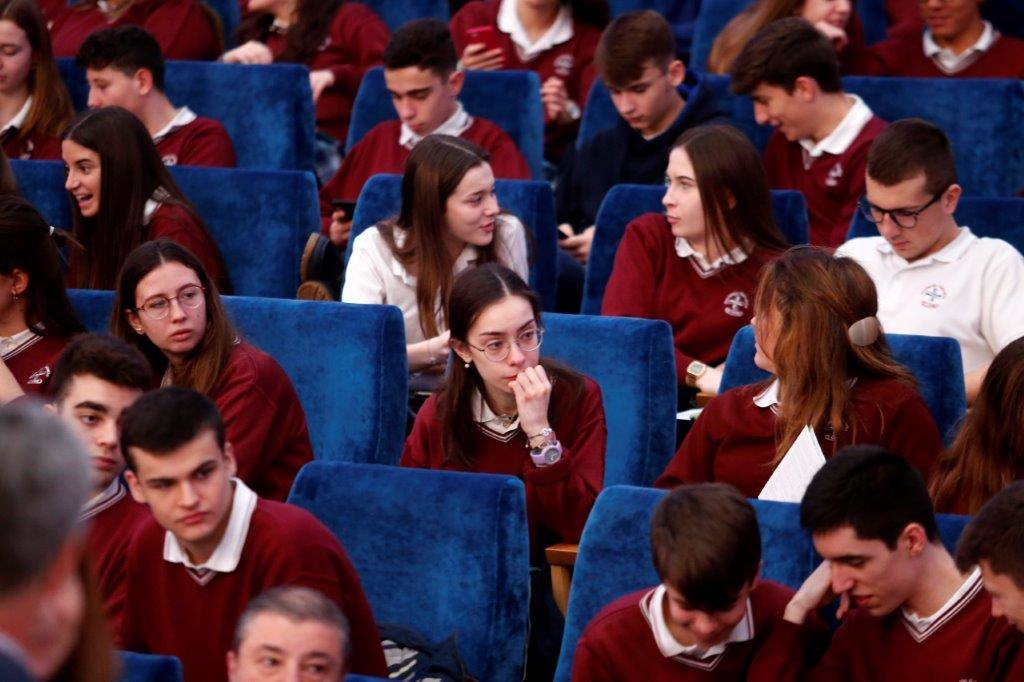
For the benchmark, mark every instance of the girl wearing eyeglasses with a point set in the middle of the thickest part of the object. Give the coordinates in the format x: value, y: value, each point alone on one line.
x: 122, y: 195
x: 504, y: 410
x: 168, y: 306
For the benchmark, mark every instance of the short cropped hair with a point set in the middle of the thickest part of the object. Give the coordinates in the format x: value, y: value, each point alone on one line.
x: 297, y: 604
x: 44, y: 481
x: 631, y: 41
x: 125, y: 48
x: 423, y: 43
x: 783, y: 51
x: 104, y: 357
x: 870, y: 489
x: 996, y: 535
x: 911, y: 146
x: 706, y: 544
x: 165, y: 419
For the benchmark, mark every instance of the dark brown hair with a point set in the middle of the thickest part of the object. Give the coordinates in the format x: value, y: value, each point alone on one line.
x: 631, y: 41
x: 423, y: 43
x: 312, y: 24
x: 911, y: 146
x: 744, y: 26
x: 996, y: 535
x: 202, y: 369
x: 988, y: 453
x: 783, y: 51
x: 706, y: 544
x: 104, y: 357
x: 145, y: 424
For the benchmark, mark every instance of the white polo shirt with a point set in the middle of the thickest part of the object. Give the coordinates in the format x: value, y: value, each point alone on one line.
x: 971, y: 290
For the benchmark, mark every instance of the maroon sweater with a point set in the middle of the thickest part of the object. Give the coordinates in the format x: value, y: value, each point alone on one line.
x: 182, y: 27
x: 831, y: 184
x: 173, y: 222
x: 263, y: 421
x: 203, y: 142
x: 168, y: 612
x: 32, y: 363
x: 618, y: 645
x: 903, y: 55
x: 35, y: 146
x: 558, y: 497
x: 650, y: 280
x: 733, y: 441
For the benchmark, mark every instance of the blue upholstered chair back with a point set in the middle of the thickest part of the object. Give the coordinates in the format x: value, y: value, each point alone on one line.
x: 634, y: 363
x: 397, y: 12
x: 440, y: 552
x: 933, y: 360
x: 626, y: 202
x: 149, y: 668
x: 615, y: 554
x: 489, y: 94
x: 347, y: 363
x: 530, y: 200
x: 259, y: 219
x: 267, y: 110
x: 230, y: 14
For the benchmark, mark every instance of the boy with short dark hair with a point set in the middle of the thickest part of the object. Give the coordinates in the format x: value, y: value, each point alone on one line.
x: 212, y: 545
x: 822, y: 134
x: 125, y: 68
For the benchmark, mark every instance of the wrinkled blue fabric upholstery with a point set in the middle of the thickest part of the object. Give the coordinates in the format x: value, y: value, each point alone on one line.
x: 347, y: 363
x: 509, y: 99
x: 149, y: 668
x: 634, y: 363
x: 625, y: 202
x: 397, y: 12
x: 439, y: 552
x: 530, y: 200
x: 933, y: 360
x: 615, y: 554
x: 267, y: 110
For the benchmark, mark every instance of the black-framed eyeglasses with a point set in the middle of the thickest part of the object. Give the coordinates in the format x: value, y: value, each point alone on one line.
x: 497, y: 350
x: 158, y: 307
x: 903, y: 217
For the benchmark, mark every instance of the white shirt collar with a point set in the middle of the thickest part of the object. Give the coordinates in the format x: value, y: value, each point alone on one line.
x: 9, y: 344
x: 685, y: 250
x: 508, y: 22
x: 456, y: 124
x: 114, y: 493
x: 921, y: 625
x: 485, y: 416
x: 182, y: 118
x: 769, y: 397
x: 652, y: 607
x: 228, y: 553
x: 951, y: 63
x: 949, y: 253
x: 844, y: 134
x: 153, y: 203
x: 19, y: 118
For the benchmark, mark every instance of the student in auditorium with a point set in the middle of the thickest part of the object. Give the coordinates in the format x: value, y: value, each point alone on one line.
x: 96, y: 379
x: 697, y: 265
x: 818, y: 336
x: 121, y: 196
x: 907, y: 611
x: 34, y: 104
x: 822, y: 134
x: 711, y: 615
x: 36, y: 318
x: 213, y: 543
x: 934, y: 277
x: 421, y: 74
x: 125, y: 68
x: 185, y: 29
x: 449, y: 221
x: 554, y: 38
x: 988, y: 453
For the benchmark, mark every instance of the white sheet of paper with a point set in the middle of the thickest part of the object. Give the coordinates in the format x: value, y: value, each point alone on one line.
x: 794, y: 473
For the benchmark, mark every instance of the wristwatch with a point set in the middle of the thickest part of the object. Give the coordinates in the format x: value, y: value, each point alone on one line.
x: 694, y: 371
x: 546, y: 455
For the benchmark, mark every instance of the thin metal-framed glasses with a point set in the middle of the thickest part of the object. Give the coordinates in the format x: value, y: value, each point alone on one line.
x: 497, y: 350
x: 159, y: 307
x: 904, y: 218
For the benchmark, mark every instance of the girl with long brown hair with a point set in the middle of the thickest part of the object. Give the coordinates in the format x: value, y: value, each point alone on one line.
x: 449, y: 221
x: 34, y: 104
x: 817, y: 333
x: 988, y: 453
x: 168, y: 306
x: 122, y: 195
x: 696, y: 266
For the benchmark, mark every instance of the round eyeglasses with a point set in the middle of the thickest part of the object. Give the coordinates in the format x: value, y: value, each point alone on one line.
x: 904, y: 218
x: 497, y: 350
x: 159, y: 307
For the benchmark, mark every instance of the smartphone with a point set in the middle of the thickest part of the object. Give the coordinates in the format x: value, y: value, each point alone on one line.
x: 484, y: 34
x: 349, y: 207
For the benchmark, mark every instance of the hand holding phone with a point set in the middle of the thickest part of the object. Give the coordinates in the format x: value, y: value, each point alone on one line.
x: 484, y: 51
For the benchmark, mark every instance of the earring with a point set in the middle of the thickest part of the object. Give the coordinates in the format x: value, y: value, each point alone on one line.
x: 467, y: 365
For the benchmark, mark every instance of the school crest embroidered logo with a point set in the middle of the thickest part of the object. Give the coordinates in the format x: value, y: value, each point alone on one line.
x: 933, y: 296
x: 29, y: 148
x: 170, y: 159
x: 324, y: 45
x: 39, y: 376
x: 564, y: 64
x: 835, y: 174
x: 736, y: 304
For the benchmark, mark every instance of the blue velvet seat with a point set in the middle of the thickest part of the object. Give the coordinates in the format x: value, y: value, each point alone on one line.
x: 933, y: 360
x: 634, y: 363
x: 626, y: 202
x: 489, y: 94
x: 149, y: 668
x: 347, y: 363
x: 397, y: 12
x: 530, y: 200
x: 267, y: 110
x: 259, y: 219
x: 615, y: 554
x: 681, y: 15
x: 439, y: 552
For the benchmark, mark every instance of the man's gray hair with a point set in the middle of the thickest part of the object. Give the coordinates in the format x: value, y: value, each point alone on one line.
x: 298, y: 604
x: 44, y: 481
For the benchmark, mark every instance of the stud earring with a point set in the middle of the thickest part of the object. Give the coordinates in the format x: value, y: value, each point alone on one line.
x: 467, y: 365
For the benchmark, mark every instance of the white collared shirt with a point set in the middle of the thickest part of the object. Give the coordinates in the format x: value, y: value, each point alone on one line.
x: 456, y: 124
x: 485, y: 416
x: 114, y: 493
x: 843, y: 135
x: 700, y: 262
x: 560, y: 32
x: 19, y: 118
x: 769, y: 397
x: 11, y: 344
x: 228, y: 553
x: 652, y: 605
x: 182, y: 118
x: 947, y: 61
x: 920, y: 627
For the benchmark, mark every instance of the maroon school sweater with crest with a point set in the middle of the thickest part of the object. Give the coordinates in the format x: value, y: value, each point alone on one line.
x: 203, y: 142
x: 903, y: 55
x: 32, y: 363
x: 35, y: 146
